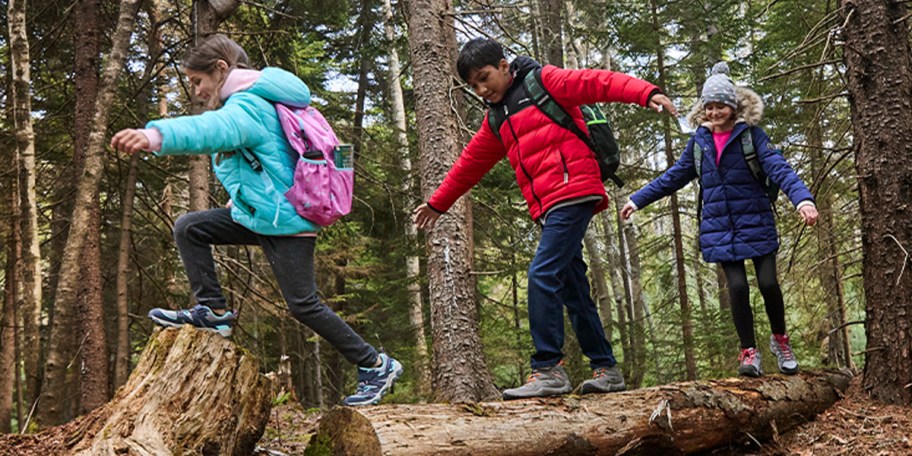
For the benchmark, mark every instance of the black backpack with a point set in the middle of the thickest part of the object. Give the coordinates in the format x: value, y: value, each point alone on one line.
x: 600, y: 138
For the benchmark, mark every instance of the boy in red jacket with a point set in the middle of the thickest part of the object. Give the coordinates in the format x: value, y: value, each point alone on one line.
x: 560, y: 179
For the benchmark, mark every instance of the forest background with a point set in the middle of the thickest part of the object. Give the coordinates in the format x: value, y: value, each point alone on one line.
x: 88, y: 247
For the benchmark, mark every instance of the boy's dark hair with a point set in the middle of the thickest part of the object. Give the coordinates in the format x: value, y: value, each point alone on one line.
x: 476, y: 54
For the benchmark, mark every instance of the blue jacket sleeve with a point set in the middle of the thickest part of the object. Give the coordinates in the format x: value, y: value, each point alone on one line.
x: 778, y: 169
x: 672, y: 180
x: 235, y: 125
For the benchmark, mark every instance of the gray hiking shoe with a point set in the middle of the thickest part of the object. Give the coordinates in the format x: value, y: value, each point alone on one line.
x: 200, y: 316
x: 604, y: 380
x: 780, y: 346
x: 750, y: 363
x: 549, y: 381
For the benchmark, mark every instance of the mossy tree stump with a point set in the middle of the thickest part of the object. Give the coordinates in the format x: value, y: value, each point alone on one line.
x: 192, y: 392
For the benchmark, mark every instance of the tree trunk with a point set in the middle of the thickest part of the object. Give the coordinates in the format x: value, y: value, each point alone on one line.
x: 56, y: 365
x: 192, y: 392
x: 621, y: 290
x: 552, y: 44
x: 629, y: 254
x: 206, y: 17
x: 412, y: 266
x: 602, y: 296
x: 20, y: 99
x: 124, y: 251
x: 838, y: 353
x: 879, y: 71
x: 671, y: 419
x: 93, y: 370
x: 8, y: 317
x: 365, y: 24
x: 460, y: 370
x: 690, y: 362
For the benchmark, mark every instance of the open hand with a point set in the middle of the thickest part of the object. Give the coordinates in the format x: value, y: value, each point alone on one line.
x: 129, y: 140
x: 425, y: 217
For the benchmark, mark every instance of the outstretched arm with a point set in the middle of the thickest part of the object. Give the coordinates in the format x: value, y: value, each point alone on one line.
x: 478, y: 157
x: 672, y: 180
x: 587, y: 86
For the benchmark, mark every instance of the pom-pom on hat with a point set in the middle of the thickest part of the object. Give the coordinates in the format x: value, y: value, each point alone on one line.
x: 719, y: 87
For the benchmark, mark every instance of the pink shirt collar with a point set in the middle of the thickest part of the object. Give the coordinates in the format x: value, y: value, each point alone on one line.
x: 238, y: 79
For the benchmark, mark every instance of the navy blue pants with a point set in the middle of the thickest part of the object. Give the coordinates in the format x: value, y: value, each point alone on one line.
x: 557, y: 279
x: 292, y: 261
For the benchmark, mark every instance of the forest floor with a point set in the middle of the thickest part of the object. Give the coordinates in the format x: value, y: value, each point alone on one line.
x: 854, y: 426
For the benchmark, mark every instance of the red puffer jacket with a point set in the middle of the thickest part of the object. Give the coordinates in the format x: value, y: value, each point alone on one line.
x: 551, y: 163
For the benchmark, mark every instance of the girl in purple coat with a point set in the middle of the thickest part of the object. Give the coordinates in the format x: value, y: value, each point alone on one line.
x: 737, y: 220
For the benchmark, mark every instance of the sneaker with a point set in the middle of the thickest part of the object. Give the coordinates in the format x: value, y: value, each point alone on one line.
x: 548, y: 381
x: 750, y: 363
x: 779, y: 345
x: 200, y: 316
x: 374, y: 382
x: 604, y: 380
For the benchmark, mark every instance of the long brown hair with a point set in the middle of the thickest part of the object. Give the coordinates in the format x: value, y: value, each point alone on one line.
x: 204, y: 58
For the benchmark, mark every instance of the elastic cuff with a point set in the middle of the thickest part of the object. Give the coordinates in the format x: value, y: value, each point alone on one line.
x: 435, y: 209
x: 633, y: 204
x: 154, y: 137
x: 805, y: 203
x: 655, y: 91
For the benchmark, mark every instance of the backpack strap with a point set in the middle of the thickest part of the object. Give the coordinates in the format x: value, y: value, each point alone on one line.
x: 698, y: 160
x: 698, y: 166
x: 750, y: 155
x: 496, y: 118
x: 547, y: 105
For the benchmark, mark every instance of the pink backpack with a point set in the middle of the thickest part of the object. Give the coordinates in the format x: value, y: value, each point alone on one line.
x: 324, y: 175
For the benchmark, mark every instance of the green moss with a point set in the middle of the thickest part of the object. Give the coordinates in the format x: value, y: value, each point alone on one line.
x: 320, y: 445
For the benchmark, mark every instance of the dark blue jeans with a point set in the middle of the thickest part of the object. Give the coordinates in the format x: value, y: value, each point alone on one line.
x: 292, y: 261
x: 557, y: 279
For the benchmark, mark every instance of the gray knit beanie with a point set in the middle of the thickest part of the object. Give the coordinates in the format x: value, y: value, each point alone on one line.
x: 719, y: 88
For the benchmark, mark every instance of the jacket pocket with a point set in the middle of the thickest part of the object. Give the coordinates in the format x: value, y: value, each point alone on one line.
x: 563, y: 162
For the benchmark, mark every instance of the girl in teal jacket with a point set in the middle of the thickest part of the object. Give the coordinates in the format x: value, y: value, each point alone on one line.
x: 254, y: 162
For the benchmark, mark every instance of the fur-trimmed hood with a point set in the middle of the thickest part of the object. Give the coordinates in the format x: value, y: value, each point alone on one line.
x: 750, y: 109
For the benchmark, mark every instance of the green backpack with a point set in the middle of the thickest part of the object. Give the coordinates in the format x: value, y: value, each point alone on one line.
x: 753, y: 162
x: 600, y: 138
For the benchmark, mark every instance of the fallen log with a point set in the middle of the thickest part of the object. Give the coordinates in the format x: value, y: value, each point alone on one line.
x: 670, y: 419
x: 192, y: 392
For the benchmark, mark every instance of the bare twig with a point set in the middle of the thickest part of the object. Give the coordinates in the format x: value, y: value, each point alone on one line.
x: 856, y: 322
x: 800, y: 68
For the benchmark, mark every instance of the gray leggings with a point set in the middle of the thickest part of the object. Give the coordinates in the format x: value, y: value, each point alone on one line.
x: 292, y: 261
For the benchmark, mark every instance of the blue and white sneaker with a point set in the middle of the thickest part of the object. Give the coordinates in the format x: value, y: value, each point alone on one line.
x: 200, y: 316
x: 373, y: 383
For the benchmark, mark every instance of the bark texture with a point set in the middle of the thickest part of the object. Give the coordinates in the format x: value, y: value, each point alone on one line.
x: 878, y: 61
x: 671, y: 419
x: 460, y: 370
x: 52, y: 394
x: 192, y: 392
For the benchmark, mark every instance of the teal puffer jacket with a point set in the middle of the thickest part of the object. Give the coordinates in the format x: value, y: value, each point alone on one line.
x: 247, y: 122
